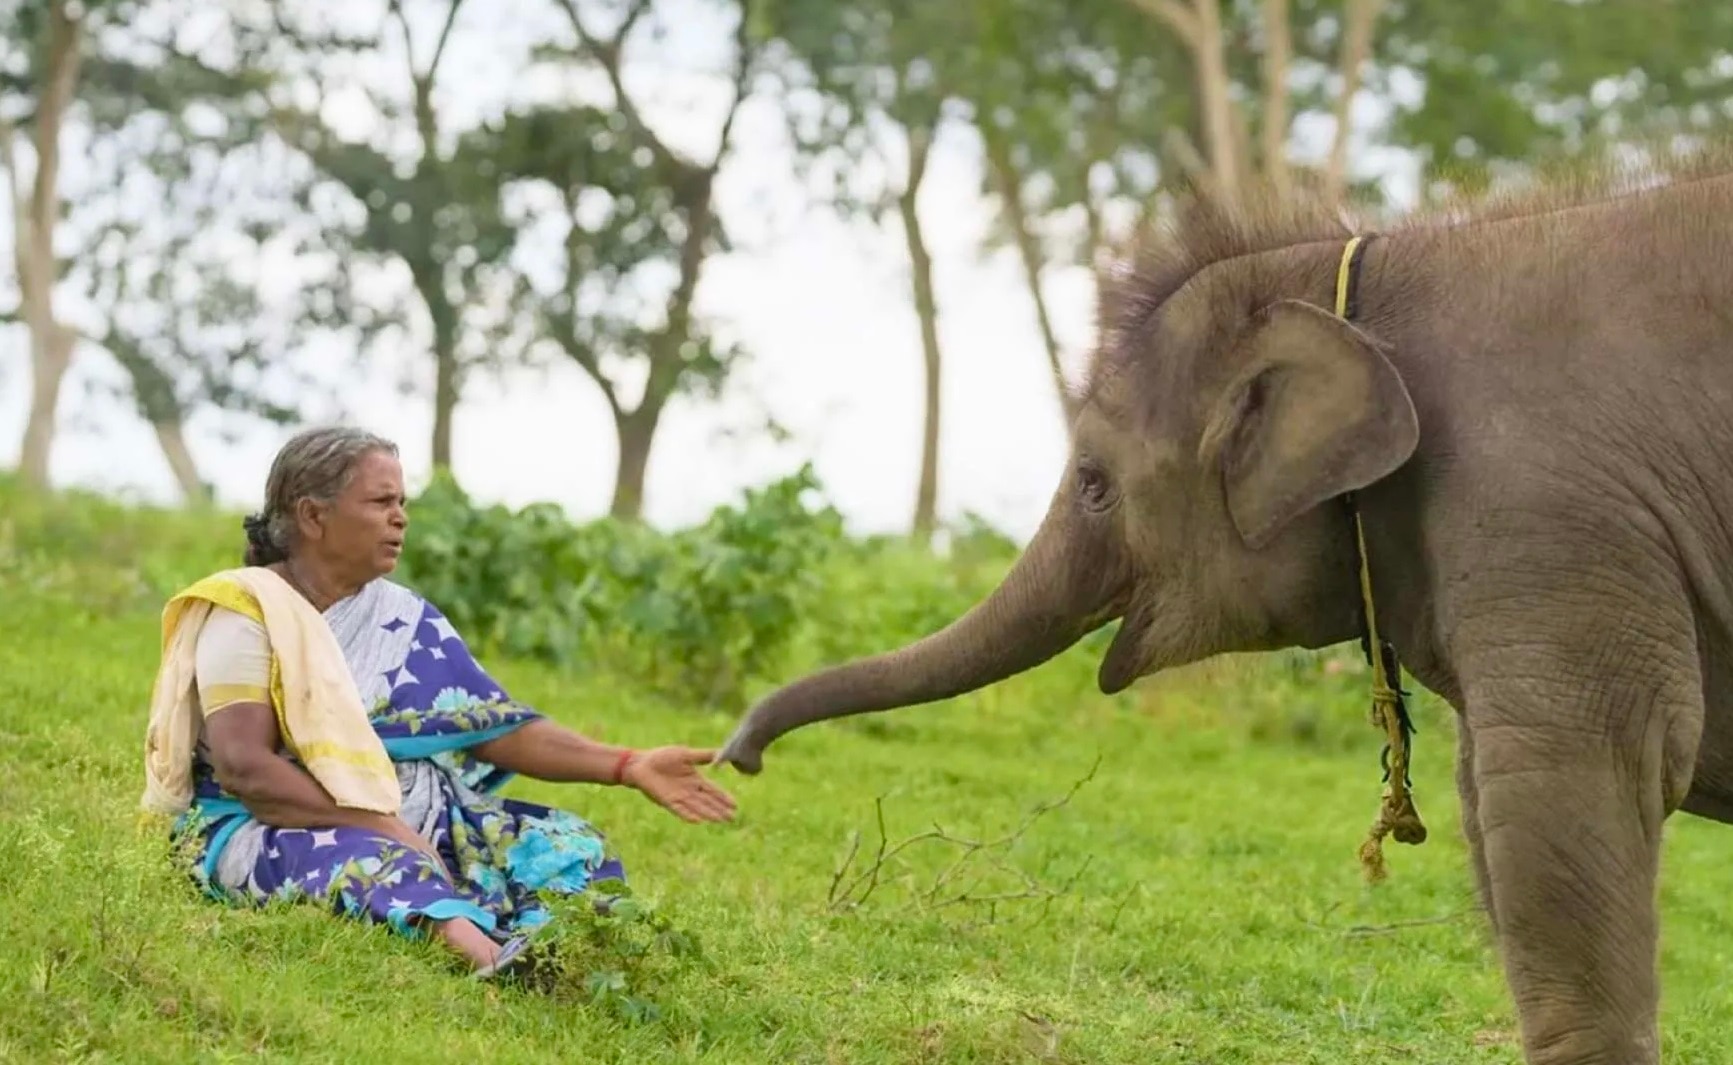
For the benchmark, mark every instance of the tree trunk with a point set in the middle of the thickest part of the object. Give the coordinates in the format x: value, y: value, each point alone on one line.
x: 444, y: 407
x: 154, y: 393
x: 636, y: 432
x: 445, y: 368
x: 1199, y: 25
x: 1278, y: 45
x: 51, y: 347
x: 1218, y: 106
x: 1010, y: 183
x: 637, y: 429
x: 430, y: 275
x: 1356, y: 48
x: 926, y: 308
x: 34, y: 218
x: 171, y: 437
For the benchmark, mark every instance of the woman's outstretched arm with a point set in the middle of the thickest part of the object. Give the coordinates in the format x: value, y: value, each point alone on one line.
x: 668, y: 776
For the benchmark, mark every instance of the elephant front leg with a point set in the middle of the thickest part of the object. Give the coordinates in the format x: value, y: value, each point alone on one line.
x: 1571, y: 783
x: 1571, y: 863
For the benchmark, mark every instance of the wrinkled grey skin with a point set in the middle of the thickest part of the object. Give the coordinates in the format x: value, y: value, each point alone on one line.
x: 1537, y: 413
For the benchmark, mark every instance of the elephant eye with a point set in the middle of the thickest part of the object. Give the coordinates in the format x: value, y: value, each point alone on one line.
x: 1093, y: 487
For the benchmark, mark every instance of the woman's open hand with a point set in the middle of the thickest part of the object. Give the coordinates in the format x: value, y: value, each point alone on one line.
x: 669, y: 777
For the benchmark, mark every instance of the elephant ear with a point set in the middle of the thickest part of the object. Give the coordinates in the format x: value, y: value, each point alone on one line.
x: 1315, y: 411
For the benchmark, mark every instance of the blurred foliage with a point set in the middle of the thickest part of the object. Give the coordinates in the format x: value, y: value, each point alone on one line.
x: 1503, y: 86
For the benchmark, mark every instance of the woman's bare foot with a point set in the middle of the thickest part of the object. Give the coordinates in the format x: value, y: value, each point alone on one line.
x: 462, y: 936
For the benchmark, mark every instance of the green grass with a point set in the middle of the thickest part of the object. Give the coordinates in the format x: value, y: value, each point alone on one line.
x: 1211, y: 908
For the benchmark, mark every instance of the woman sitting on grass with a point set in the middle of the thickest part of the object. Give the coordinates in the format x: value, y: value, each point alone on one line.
x: 325, y: 734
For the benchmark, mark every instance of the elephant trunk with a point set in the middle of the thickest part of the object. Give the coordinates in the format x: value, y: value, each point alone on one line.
x: 1038, y: 611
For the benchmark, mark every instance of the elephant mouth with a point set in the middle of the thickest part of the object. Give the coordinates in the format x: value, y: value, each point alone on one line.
x: 1127, y: 656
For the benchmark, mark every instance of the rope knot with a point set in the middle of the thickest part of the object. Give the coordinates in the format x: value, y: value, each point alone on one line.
x: 1396, y: 817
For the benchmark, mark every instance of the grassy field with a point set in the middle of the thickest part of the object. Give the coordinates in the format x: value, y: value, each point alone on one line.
x: 1197, y: 899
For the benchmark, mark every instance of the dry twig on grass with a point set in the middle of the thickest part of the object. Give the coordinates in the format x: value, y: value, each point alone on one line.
x: 1363, y: 930
x: 849, y: 892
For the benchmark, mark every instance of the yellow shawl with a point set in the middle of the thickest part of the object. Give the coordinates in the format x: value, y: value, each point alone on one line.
x: 319, y: 709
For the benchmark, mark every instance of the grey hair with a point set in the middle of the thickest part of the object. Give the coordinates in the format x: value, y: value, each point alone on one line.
x: 315, y: 464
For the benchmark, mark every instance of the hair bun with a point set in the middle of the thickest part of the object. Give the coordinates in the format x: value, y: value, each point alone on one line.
x: 260, y: 551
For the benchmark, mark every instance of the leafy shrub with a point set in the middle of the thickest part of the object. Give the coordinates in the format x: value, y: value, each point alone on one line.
x: 609, y: 949
x: 524, y: 582
x: 709, y: 607
x: 693, y: 614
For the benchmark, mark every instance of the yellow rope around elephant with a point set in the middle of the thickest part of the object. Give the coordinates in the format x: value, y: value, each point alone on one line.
x: 1397, y: 815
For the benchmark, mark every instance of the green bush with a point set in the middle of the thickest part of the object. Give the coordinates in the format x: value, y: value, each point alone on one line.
x: 523, y: 582
x: 693, y: 614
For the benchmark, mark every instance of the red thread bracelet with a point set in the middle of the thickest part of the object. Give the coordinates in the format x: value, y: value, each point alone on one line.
x: 619, y: 776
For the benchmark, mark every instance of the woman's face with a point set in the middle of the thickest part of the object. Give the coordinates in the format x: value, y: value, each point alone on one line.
x: 359, y: 535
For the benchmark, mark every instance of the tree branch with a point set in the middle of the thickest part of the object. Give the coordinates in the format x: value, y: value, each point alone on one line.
x: 421, y: 82
x: 444, y: 36
x: 1179, y: 146
x: 566, y: 336
x: 566, y: 324
x: 395, y: 7
x: 920, y: 146
x: 607, y: 53
x: 1221, y: 134
x: 744, y: 57
x: 64, y: 53
x: 856, y: 891
x: 1362, y: 930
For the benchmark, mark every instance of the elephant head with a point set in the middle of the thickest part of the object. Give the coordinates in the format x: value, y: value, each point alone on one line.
x: 1225, y: 409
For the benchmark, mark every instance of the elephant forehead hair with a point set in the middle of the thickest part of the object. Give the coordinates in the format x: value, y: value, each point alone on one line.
x: 1197, y: 233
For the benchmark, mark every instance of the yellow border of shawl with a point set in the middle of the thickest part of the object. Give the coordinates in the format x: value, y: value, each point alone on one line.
x: 221, y: 590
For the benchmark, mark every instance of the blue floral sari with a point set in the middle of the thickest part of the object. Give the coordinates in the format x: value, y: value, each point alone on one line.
x: 431, y: 704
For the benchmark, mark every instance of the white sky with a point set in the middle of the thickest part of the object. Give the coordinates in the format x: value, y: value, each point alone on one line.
x: 824, y: 306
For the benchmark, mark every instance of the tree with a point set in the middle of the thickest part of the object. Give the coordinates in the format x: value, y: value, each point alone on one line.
x: 147, y: 115
x: 1547, y: 80
x: 658, y: 217
x: 173, y: 269
x: 1070, y: 101
x: 43, y: 85
x: 1223, y: 44
x: 433, y: 211
x: 183, y: 201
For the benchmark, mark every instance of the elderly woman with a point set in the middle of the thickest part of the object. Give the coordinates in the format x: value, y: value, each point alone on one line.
x: 324, y: 733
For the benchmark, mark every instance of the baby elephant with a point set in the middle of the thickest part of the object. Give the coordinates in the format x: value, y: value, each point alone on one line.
x: 1529, y: 407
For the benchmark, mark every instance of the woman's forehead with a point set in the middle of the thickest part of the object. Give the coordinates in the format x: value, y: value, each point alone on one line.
x: 377, y: 468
